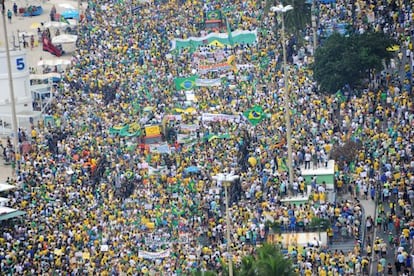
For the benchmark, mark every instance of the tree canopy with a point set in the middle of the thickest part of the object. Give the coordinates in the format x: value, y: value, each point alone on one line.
x: 347, y: 60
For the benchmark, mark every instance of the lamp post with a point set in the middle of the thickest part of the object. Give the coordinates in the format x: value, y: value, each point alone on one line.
x: 314, y: 27
x: 282, y: 10
x: 11, y: 91
x: 226, y: 180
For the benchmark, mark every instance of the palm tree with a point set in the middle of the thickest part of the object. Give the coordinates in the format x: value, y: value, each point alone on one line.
x: 271, y: 261
x: 268, y: 260
x: 247, y: 266
x: 296, y: 19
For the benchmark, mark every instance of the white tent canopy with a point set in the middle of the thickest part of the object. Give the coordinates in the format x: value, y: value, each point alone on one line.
x: 67, y: 6
x: 6, y: 210
x: 6, y: 187
x: 64, y: 39
x: 55, y: 24
x: 53, y: 62
x: 44, y: 76
x: 3, y: 201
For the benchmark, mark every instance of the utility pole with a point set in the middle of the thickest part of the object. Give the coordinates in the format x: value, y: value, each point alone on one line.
x: 11, y: 88
x: 314, y: 26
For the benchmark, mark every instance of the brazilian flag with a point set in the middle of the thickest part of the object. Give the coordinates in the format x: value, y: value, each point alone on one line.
x: 255, y: 115
x: 188, y: 83
x: 63, y: 19
x: 213, y: 15
x: 340, y: 96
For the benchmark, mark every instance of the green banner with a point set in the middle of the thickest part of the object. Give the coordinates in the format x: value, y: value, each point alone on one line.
x: 237, y: 37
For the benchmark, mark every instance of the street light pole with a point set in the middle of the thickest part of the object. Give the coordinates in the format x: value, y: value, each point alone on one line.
x: 226, y: 185
x: 314, y: 28
x: 11, y: 91
x: 282, y: 10
x: 226, y: 180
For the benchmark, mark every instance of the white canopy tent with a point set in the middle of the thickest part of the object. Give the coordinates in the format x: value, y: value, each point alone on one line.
x: 67, y: 6
x: 6, y: 187
x: 53, y: 62
x: 8, y: 213
x: 3, y: 201
x: 55, y: 24
x: 44, y: 76
x: 64, y: 39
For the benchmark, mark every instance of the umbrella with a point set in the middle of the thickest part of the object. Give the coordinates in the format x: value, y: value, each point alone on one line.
x: 72, y: 13
x: 55, y: 24
x: 191, y: 169
x: 35, y: 25
x: 64, y: 39
x: 393, y: 48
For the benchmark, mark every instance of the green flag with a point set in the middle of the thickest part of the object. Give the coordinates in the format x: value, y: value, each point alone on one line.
x: 188, y: 83
x: 255, y: 115
x: 64, y: 20
x: 231, y: 42
x: 213, y: 15
x: 340, y: 96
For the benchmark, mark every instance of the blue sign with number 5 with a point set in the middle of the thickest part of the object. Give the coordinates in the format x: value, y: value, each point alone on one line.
x: 20, y: 64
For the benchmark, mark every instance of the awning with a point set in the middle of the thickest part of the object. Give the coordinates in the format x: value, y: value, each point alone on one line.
x: 11, y: 215
x: 6, y: 187
x: 3, y: 200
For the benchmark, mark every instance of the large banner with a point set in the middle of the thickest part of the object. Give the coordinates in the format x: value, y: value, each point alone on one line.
x: 238, y: 37
x: 212, y: 117
x: 154, y: 255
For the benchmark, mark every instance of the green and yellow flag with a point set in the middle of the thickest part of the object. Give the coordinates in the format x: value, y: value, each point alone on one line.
x: 213, y: 15
x: 188, y: 83
x: 255, y: 115
x: 64, y: 20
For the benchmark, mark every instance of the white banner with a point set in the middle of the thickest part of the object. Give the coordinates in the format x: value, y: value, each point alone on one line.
x: 160, y: 148
x: 154, y: 255
x: 208, y: 82
x: 211, y: 117
x: 186, y: 127
x: 186, y: 138
x: 172, y: 117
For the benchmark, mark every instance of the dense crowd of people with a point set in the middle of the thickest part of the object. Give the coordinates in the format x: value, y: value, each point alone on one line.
x: 100, y: 200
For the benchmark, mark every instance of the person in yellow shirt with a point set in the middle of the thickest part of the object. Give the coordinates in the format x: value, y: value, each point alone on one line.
x: 308, y: 272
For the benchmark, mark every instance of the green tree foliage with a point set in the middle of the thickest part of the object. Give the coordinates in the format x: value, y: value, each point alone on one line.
x: 346, y: 153
x: 296, y: 19
x: 347, y: 60
x: 268, y: 260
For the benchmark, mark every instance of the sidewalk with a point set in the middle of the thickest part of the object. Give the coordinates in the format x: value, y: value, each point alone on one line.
x: 6, y: 171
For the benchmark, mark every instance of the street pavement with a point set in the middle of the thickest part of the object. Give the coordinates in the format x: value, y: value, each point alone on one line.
x: 20, y: 24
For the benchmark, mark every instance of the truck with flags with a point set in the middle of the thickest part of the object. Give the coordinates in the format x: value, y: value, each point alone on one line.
x: 214, y: 21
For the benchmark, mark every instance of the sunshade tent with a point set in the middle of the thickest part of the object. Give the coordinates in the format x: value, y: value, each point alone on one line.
x: 64, y: 39
x: 8, y: 213
x: 6, y: 187
x: 45, y: 76
x: 3, y: 200
x: 70, y: 13
x: 55, y: 24
x: 67, y: 6
x: 53, y: 62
